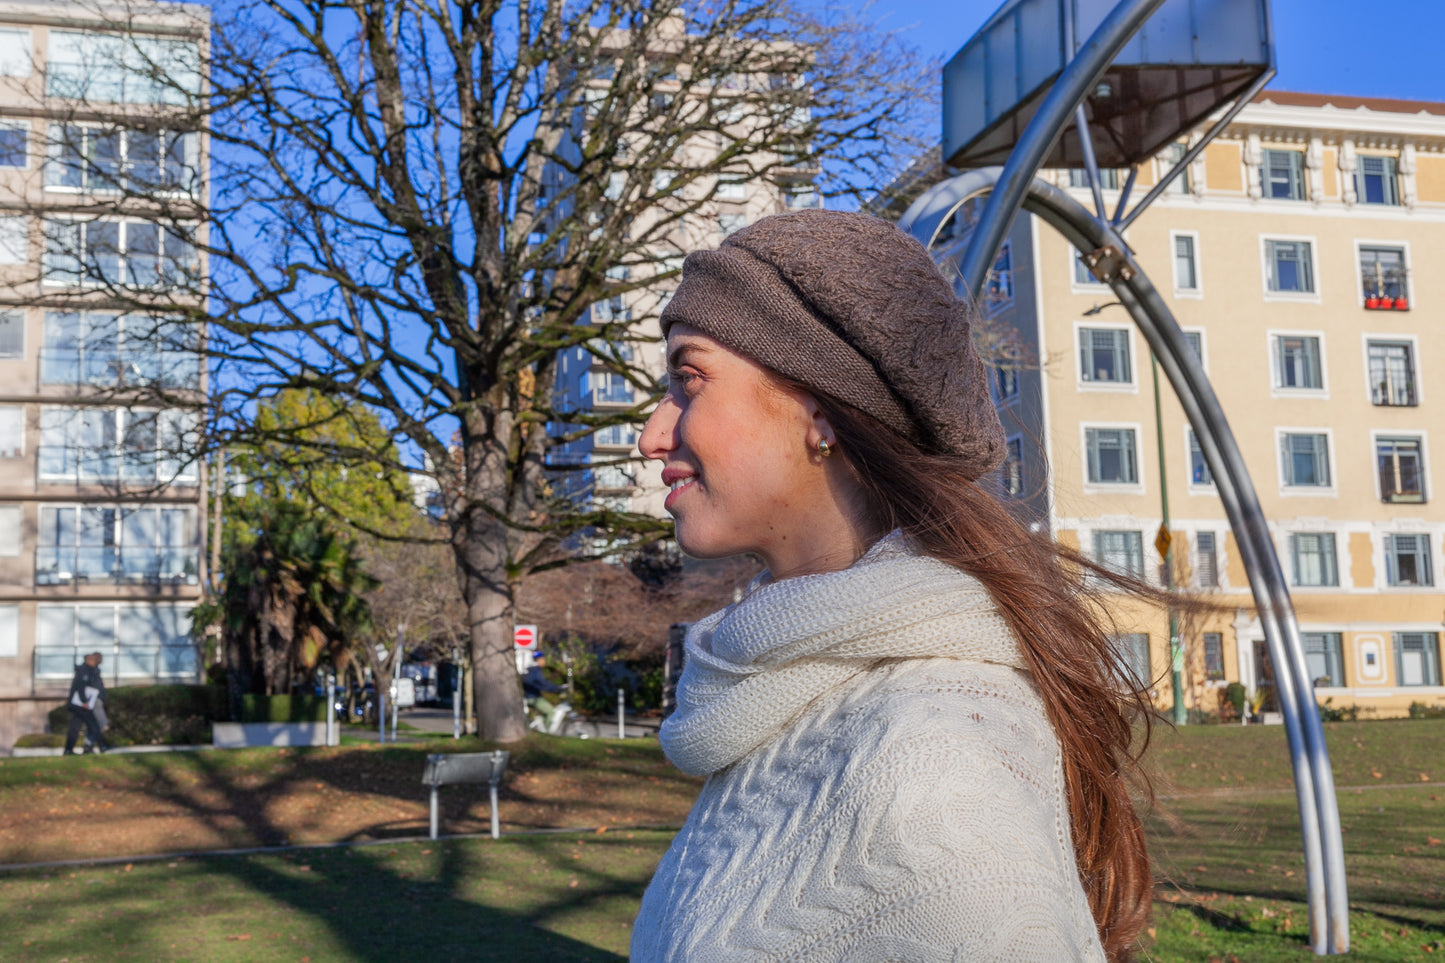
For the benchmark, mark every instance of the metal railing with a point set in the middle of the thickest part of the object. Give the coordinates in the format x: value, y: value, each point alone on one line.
x: 63, y: 566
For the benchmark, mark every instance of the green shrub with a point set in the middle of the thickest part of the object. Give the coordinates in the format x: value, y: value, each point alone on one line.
x: 153, y: 715
x: 1236, y: 695
x: 1328, y: 712
x: 1419, y: 710
x: 37, y: 740
x: 283, y: 708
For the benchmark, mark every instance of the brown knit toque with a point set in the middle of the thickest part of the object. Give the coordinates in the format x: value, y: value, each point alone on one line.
x: 849, y: 305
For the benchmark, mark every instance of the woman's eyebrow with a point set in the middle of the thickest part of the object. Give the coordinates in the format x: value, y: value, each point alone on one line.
x: 678, y: 355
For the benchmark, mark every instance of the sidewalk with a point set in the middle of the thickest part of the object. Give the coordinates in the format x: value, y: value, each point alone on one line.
x: 433, y: 719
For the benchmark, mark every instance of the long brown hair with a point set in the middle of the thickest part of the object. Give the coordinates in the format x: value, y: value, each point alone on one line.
x: 1050, y: 596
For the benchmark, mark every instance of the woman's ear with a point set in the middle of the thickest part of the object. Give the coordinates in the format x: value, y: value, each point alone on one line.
x: 821, y: 436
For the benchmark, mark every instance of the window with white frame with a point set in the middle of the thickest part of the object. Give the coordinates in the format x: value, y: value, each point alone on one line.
x: 120, y: 68
x: 731, y: 187
x: 116, y: 252
x: 104, y: 348
x: 12, y: 334
x: 12, y: 431
x: 1013, y: 468
x: 9, y: 631
x: 1376, y: 181
x: 1186, y: 273
x: 88, y: 158
x: 1206, y: 560
x: 1305, y: 460
x: 1401, y: 468
x: 1407, y: 560
x: 16, y: 53
x: 1112, y: 458
x: 115, y: 543
x: 1108, y: 178
x: 1297, y: 362
x: 1120, y: 551
x: 1104, y: 356
x: 1282, y: 174
x: 1417, y: 658
x: 615, y: 436
x: 117, y: 444
x: 1199, y: 473
x: 802, y: 197
x: 14, y: 144
x: 1289, y: 267
x: 1392, y: 373
x: 1169, y: 158
x: 1195, y: 341
x: 1133, y: 654
x: 729, y: 223
x: 1383, y: 276
x: 1324, y: 658
x: 999, y: 288
x: 1082, y: 274
x: 613, y: 308
x: 1214, y: 656
x: 1313, y: 554
x: 1005, y: 383
x: 14, y: 239
x: 9, y: 531
x: 140, y: 641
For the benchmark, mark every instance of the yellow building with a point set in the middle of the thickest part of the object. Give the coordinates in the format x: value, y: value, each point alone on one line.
x: 1299, y: 255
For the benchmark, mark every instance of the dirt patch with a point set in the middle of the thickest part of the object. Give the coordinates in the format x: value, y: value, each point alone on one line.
x: 77, y: 808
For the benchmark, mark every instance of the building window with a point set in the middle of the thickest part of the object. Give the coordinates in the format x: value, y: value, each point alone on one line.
x: 14, y: 144
x: 1407, y: 560
x: 1382, y: 275
x: 82, y: 158
x: 1282, y: 174
x: 1214, y: 656
x: 1297, y: 362
x: 1323, y: 658
x: 1172, y: 155
x: 1005, y: 383
x: 1111, y: 456
x: 1133, y: 651
x: 110, y: 444
x: 9, y: 631
x: 999, y: 289
x: 101, y: 348
x: 1289, y: 267
x: 1206, y: 560
x: 14, y: 239
x: 1104, y: 355
x: 1195, y: 341
x: 1402, y: 470
x: 1199, y: 473
x: 1082, y: 274
x: 1186, y: 277
x: 121, y: 253
x: 16, y: 53
x: 608, y: 388
x: 111, y: 543
x: 12, y: 334
x: 1013, y: 469
x: 12, y: 431
x: 148, y: 641
x: 1108, y: 178
x: 731, y: 187
x: 615, y: 436
x: 1375, y: 181
x: 9, y: 531
x: 1121, y: 552
x: 117, y: 68
x: 1306, y: 460
x: 1392, y: 373
x: 728, y: 223
x: 1314, y: 559
x: 1417, y: 658
x: 802, y: 198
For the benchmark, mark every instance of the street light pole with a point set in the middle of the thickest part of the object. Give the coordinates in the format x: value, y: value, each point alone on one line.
x: 1166, y: 540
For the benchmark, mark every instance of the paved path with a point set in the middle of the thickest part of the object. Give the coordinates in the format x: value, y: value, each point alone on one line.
x: 434, y: 719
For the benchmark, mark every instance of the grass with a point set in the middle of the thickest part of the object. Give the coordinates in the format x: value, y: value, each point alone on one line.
x: 1224, y: 835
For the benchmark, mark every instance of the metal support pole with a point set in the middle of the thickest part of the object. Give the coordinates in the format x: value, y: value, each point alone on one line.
x: 393, y: 719
x: 331, y: 737
x: 381, y: 714
x: 1043, y: 131
x: 621, y: 706
x: 496, y: 820
x: 1176, y: 648
x: 434, y: 812
x: 457, y: 706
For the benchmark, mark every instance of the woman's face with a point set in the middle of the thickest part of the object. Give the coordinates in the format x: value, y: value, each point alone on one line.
x: 740, y: 453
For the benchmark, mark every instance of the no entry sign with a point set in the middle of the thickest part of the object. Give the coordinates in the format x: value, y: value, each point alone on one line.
x: 525, y: 637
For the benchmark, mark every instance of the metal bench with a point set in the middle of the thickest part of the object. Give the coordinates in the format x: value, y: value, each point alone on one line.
x: 457, y: 768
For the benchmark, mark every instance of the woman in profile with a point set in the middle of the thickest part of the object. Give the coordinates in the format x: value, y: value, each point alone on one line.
x: 913, y: 725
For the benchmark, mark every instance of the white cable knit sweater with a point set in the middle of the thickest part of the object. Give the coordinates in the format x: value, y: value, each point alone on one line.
x: 883, y: 782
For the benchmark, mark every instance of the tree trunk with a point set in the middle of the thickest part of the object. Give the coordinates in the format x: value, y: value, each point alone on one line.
x: 488, y: 593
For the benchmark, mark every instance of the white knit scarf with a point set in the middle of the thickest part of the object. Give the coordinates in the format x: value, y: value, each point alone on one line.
x: 755, y: 666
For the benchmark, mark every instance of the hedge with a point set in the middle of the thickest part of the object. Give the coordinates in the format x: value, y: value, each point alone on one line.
x: 156, y: 714
x: 283, y: 708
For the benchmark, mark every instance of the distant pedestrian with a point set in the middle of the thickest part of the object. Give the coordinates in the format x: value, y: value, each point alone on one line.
x: 535, y: 685
x: 87, y: 690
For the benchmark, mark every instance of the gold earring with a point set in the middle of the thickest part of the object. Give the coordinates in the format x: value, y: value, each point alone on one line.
x: 824, y: 448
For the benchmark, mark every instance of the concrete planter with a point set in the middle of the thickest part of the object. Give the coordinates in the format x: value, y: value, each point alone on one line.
x: 240, y: 735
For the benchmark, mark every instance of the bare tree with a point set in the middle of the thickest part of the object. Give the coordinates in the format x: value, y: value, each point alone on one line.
x: 412, y: 205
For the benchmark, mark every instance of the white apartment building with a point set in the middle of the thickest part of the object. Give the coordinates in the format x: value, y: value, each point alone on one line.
x: 101, y: 513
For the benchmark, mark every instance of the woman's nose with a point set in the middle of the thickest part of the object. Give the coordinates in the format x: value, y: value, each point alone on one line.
x: 659, y: 435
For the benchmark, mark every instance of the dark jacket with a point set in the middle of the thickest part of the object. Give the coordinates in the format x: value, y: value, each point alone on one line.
x: 86, y: 677
x: 534, y: 683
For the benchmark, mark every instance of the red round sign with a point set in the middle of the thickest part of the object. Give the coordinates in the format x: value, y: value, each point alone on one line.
x: 525, y: 636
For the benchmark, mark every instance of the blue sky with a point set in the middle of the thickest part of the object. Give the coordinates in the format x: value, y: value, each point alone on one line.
x: 1384, y: 48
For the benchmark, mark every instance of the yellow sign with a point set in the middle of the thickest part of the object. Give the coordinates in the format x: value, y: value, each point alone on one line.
x: 1162, y: 542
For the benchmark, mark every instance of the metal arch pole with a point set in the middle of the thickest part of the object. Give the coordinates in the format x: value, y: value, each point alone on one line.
x: 1314, y: 782
x: 1044, y: 130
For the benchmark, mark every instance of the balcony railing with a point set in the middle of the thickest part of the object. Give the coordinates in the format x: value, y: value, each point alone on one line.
x: 71, y: 463
x: 64, y: 566
x: 120, y: 368
x: 1385, y: 290
x: 1390, y: 392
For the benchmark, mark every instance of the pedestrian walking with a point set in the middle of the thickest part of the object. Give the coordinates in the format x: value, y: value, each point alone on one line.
x: 914, y: 726
x: 87, y: 692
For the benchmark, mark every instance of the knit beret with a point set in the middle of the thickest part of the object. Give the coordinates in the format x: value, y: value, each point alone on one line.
x: 850, y: 306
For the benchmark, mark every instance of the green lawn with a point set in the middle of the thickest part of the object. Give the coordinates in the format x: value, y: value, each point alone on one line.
x: 1224, y: 835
